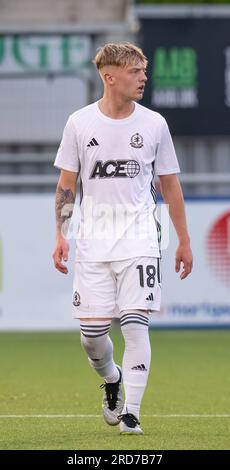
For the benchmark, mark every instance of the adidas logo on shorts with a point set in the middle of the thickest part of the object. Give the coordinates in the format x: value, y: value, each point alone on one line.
x: 150, y: 297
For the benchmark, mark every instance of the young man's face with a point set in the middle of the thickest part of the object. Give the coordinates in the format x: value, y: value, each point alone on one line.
x: 128, y: 82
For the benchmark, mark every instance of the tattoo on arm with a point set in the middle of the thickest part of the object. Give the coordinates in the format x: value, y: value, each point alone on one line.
x: 63, y: 205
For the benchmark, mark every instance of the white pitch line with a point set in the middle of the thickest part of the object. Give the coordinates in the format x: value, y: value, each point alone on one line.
x: 99, y: 416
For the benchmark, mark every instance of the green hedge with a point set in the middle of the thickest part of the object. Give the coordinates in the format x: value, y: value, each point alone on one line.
x: 182, y: 1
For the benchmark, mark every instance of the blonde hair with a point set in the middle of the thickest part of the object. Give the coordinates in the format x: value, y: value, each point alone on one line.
x: 120, y: 54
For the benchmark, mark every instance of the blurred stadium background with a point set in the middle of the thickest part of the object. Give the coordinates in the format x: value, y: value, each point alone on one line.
x: 46, y: 48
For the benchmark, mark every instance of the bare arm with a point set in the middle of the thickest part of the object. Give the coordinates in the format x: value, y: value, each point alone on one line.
x: 65, y: 198
x: 172, y: 195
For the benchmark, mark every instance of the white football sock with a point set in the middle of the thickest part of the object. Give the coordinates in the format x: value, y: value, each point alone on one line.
x: 136, y: 359
x: 99, y: 348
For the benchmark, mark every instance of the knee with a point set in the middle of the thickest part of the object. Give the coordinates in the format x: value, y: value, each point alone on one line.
x: 94, y: 346
x: 94, y: 338
x: 135, y: 328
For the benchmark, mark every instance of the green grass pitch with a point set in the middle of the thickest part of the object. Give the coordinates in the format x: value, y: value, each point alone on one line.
x: 186, y: 404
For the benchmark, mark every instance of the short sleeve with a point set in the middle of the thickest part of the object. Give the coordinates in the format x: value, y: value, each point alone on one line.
x: 67, y: 155
x: 166, y: 160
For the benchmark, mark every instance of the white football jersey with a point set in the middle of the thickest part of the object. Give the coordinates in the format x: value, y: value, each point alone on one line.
x: 117, y: 160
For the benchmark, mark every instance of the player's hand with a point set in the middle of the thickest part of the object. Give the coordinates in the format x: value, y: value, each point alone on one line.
x: 184, y: 258
x: 61, y: 253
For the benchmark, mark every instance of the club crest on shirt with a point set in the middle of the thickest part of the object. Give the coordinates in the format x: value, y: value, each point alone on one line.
x: 76, y: 299
x: 136, y: 141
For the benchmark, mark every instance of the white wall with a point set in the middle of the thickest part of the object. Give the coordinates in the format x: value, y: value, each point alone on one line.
x: 33, y: 12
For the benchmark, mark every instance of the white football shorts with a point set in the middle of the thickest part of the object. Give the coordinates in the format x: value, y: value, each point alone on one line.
x: 105, y: 289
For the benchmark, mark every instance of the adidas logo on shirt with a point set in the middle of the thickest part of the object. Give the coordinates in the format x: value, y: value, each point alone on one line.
x: 92, y: 143
x: 150, y: 297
